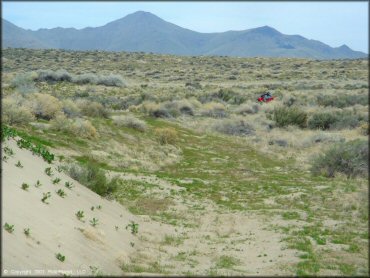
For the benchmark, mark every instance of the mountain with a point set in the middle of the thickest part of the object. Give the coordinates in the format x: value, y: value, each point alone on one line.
x: 143, y: 31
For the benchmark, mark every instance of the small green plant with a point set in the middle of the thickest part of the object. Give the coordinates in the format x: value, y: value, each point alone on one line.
x: 132, y: 244
x: 25, y: 186
x: 45, y: 197
x: 8, y: 151
x: 61, y: 193
x: 68, y: 185
x: 5, y: 158
x: 116, y: 227
x: 59, y: 169
x: 56, y: 180
x: 48, y: 171
x: 19, y: 164
x: 27, y: 231
x: 99, y: 207
x: 80, y: 215
x: 92, y: 208
x: 60, y: 257
x: 38, y: 183
x: 95, y: 271
x: 94, y: 222
x: 9, y: 228
x: 134, y: 227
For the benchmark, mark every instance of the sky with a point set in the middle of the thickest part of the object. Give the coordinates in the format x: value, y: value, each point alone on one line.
x: 333, y: 23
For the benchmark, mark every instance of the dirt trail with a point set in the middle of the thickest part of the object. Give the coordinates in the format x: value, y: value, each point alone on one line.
x: 201, y: 238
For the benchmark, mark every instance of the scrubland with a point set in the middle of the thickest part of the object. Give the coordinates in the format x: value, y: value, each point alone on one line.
x: 223, y: 185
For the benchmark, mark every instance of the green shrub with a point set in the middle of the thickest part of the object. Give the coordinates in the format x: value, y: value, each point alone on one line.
x: 342, y: 101
x: 86, y: 78
x: 111, y: 80
x: 59, y: 75
x: 24, y: 83
x: 94, y: 178
x: 284, y: 116
x: 346, y: 119
x: 350, y: 158
x: 224, y: 95
x: 334, y: 120
x: 322, y: 120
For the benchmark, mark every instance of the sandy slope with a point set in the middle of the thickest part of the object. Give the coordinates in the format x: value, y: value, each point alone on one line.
x: 54, y: 228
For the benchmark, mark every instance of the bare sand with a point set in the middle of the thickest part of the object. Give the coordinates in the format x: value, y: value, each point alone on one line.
x: 54, y: 228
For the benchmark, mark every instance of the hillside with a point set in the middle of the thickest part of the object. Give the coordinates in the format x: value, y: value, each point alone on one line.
x: 218, y: 183
x: 143, y: 31
x: 52, y: 224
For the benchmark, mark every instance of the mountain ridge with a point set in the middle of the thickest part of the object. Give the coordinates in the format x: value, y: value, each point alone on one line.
x: 146, y: 32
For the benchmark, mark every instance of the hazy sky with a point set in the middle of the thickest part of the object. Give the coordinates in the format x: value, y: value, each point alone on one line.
x: 333, y: 23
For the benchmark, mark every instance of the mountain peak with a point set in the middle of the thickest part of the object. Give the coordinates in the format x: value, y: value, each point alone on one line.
x: 266, y: 30
x: 142, y: 15
x: 344, y: 47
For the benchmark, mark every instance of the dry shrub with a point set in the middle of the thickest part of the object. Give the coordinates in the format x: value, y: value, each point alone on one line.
x: 60, y: 122
x: 196, y: 104
x: 155, y: 110
x: 13, y: 113
x: 92, y: 108
x: 130, y: 121
x: 364, y: 129
x: 321, y: 137
x: 214, y: 109
x: 45, y: 106
x: 166, y: 135
x: 184, y: 107
x: 83, y: 128
x: 70, y: 108
x: 235, y: 126
x: 247, y: 108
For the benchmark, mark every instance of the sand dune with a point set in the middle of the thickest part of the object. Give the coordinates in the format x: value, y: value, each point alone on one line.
x: 54, y: 227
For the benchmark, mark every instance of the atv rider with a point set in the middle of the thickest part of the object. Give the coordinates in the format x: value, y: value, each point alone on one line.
x: 266, y: 97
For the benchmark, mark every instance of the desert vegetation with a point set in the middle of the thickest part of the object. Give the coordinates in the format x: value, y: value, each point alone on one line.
x: 183, y: 142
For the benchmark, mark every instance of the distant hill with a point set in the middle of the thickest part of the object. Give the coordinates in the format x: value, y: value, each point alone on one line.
x: 143, y: 31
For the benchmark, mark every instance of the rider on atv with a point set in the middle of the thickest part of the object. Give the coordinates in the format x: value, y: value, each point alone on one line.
x: 266, y: 97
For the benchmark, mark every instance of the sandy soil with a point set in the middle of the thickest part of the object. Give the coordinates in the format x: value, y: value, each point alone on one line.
x: 54, y: 228
x: 177, y: 249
